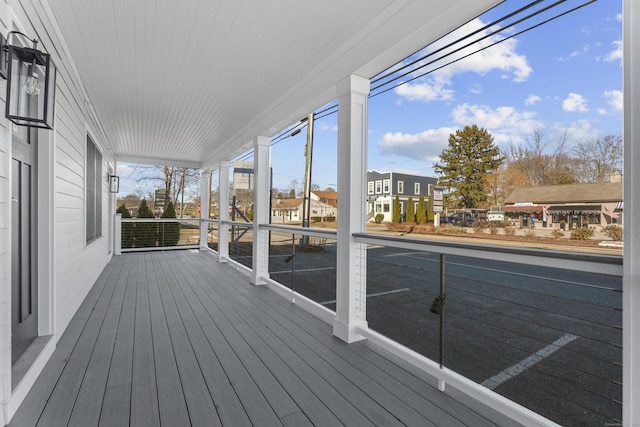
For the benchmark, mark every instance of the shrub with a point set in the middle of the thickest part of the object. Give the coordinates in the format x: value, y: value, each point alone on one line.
x: 127, y: 228
x: 451, y: 229
x: 171, y: 229
x: 421, y: 213
x: 493, y: 227
x: 479, y: 226
x: 313, y: 218
x: 396, y: 216
x: 557, y: 234
x: 411, y: 212
x: 509, y: 229
x: 146, y: 233
x: 379, y: 218
x: 330, y: 219
x: 582, y: 234
x: 614, y: 232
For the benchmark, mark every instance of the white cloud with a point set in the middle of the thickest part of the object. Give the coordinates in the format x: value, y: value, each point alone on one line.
x: 585, y: 49
x: 436, y: 86
x: 616, y: 54
x: 532, y: 99
x: 575, y: 102
x: 506, y: 124
x: 324, y: 126
x: 577, y: 131
x: 614, y: 99
x: 619, y: 17
x: 425, y: 91
x: 426, y: 145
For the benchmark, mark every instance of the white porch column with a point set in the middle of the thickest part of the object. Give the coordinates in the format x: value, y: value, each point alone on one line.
x: 223, y: 212
x: 631, y: 268
x: 352, y: 176
x: 261, y: 208
x: 205, y: 192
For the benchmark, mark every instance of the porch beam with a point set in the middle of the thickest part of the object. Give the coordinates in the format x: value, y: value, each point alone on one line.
x: 351, y: 265
x: 261, y: 209
x: 223, y: 212
x: 631, y: 268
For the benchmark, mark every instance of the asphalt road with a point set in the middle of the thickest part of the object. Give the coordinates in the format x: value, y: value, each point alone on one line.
x: 547, y: 339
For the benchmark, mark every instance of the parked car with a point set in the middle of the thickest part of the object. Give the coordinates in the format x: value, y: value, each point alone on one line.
x: 462, y: 219
x: 495, y: 216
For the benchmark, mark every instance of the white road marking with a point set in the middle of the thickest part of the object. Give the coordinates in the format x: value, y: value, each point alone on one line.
x: 300, y: 271
x: 523, y: 365
x: 372, y: 295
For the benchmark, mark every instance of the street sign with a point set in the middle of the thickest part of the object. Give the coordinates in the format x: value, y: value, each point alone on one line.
x: 161, y: 195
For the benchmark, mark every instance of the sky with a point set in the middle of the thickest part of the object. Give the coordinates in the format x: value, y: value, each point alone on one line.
x: 563, y: 77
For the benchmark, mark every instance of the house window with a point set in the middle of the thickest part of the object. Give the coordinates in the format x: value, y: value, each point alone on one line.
x: 416, y: 188
x: 400, y: 187
x: 93, y: 197
x: 385, y: 207
x: 378, y: 187
x: 370, y: 187
x: 385, y: 186
x: 378, y: 208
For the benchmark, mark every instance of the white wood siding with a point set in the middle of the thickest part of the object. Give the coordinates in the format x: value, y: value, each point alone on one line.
x: 76, y: 265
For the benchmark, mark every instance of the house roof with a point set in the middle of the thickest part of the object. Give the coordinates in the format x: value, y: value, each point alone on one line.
x: 286, y: 203
x: 598, y: 192
x: 330, y: 196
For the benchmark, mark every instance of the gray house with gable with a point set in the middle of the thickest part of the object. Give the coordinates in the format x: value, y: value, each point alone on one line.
x: 382, y: 188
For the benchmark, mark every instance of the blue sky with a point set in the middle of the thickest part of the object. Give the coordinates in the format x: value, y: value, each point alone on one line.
x: 564, y: 77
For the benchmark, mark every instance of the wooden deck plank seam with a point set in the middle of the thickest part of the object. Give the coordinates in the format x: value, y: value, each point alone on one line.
x: 283, y: 372
x: 299, y: 353
x: 270, y: 307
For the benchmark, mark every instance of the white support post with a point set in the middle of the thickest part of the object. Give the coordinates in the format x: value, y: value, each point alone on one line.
x: 261, y: 209
x: 205, y: 191
x: 223, y: 212
x: 117, y: 234
x: 631, y: 266
x: 352, y: 172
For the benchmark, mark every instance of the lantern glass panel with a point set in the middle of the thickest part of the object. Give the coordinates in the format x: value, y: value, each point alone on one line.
x: 30, y: 104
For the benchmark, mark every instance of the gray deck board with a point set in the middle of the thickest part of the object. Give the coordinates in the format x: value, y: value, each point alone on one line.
x: 177, y: 339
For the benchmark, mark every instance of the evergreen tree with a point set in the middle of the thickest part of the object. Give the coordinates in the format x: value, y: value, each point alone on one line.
x: 127, y: 228
x: 396, y: 216
x: 421, y: 213
x: 464, y: 166
x: 171, y: 229
x: 250, y: 213
x: 411, y: 212
x: 146, y: 233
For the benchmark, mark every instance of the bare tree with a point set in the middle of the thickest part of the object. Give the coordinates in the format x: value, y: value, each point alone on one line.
x: 542, y: 163
x: 599, y: 158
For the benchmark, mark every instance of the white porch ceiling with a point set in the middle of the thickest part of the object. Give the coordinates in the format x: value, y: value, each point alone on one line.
x: 190, y: 82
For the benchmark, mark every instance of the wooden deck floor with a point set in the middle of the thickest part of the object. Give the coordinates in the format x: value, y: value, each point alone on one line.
x: 176, y: 339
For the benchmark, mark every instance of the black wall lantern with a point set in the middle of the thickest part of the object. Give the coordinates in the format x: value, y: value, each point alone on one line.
x: 31, y: 83
x: 114, y: 184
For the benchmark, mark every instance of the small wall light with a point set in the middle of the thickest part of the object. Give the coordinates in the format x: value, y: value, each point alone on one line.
x: 114, y: 184
x: 31, y: 83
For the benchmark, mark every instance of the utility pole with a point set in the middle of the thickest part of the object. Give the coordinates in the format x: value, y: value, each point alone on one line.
x: 308, y: 151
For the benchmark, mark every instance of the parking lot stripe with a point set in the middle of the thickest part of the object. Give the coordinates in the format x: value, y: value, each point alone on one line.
x: 372, y: 295
x: 524, y: 364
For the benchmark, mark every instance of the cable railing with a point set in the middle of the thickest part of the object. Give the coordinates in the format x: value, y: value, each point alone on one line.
x: 149, y: 234
x: 304, y: 261
x: 542, y: 328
